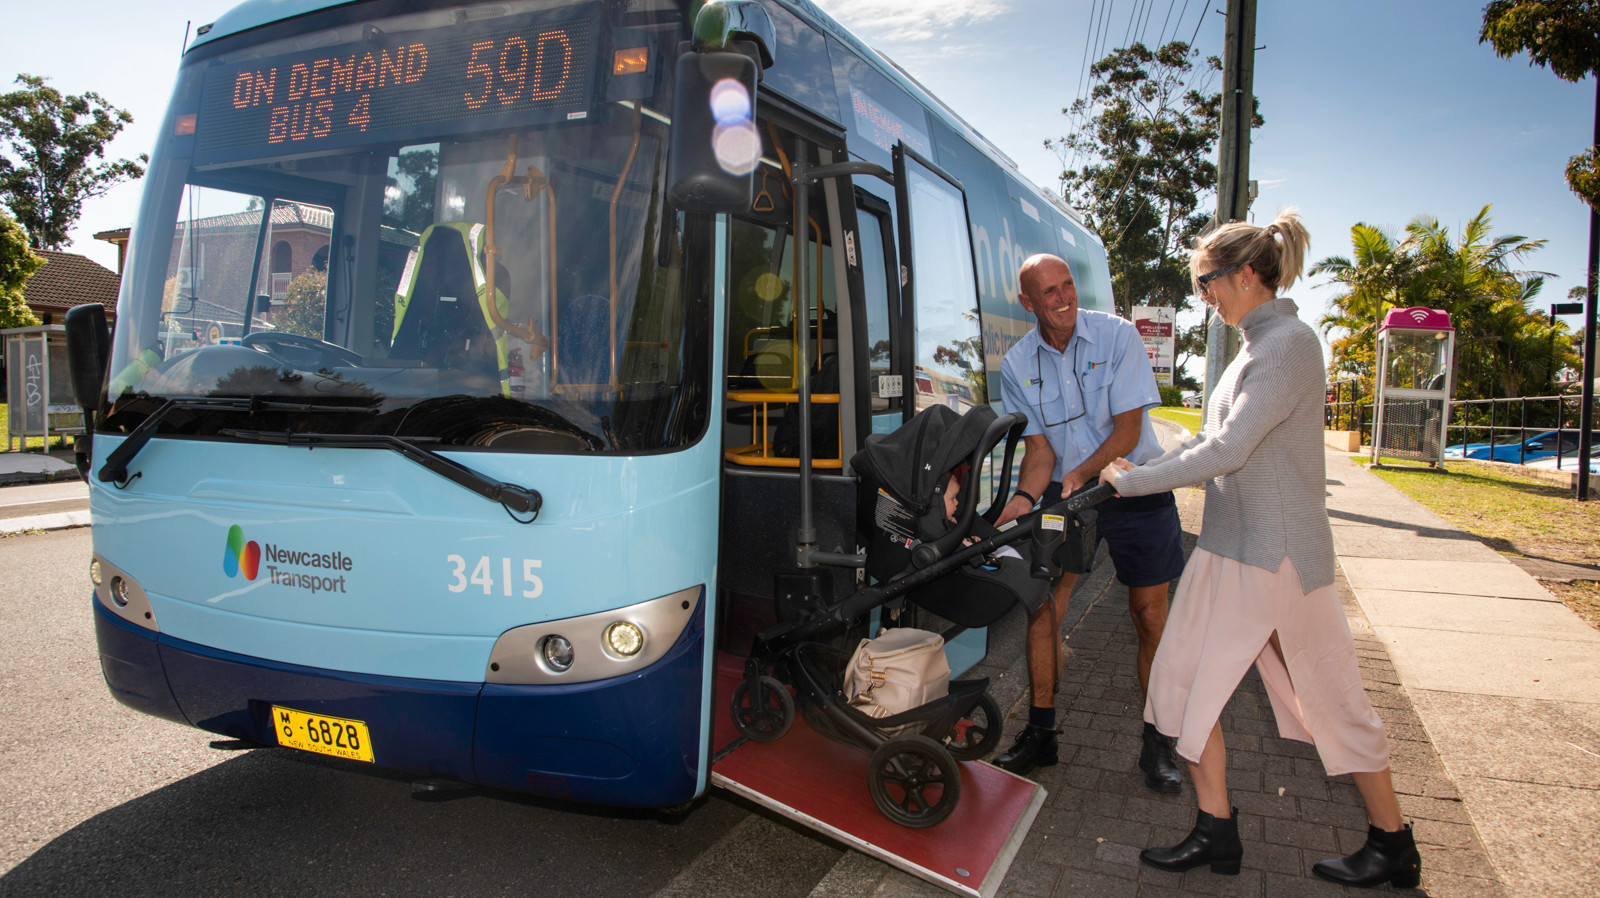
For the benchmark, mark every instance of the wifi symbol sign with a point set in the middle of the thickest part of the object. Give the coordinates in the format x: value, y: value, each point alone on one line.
x: 1418, y: 315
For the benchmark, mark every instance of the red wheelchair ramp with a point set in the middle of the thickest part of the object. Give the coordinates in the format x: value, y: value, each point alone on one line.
x: 822, y: 784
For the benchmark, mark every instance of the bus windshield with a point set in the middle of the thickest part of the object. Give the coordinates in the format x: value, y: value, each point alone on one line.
x: 451, y: 222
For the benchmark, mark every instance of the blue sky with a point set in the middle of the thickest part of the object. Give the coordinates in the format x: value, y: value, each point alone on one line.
x: 1377, y: 111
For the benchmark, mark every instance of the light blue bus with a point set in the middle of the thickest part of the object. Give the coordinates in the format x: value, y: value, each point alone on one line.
x: 507, y: 446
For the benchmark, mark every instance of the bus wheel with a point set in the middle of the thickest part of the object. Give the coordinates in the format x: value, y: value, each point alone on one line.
x: 767, y: 719
x: 975, y: 735
x: 914, y: 781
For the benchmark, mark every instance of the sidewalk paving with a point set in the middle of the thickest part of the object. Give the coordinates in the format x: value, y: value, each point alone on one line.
x: 1484, y: 682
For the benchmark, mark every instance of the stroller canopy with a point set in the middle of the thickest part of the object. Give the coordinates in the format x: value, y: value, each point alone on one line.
x: 912, y: 461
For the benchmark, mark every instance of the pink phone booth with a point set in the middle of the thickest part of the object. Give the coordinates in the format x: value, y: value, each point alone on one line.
x: 1416, y: 355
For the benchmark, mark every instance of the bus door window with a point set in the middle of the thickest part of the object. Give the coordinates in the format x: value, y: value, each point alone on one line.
x: 764, y: 317
x: 882, y: 304
x: 940, y: 293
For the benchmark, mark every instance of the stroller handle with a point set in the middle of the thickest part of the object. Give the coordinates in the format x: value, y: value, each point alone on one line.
x: 873, y: 596
x: 1089, y: 498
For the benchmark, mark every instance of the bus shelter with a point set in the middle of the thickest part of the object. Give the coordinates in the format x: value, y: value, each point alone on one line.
x: 1416, y: 351
x: 39, y: 400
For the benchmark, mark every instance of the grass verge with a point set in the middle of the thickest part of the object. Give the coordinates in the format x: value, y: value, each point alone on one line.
x: 1186, y: 417
x: 1514, y: 515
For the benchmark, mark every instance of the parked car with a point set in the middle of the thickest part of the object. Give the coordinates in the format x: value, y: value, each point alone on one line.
x: 1191, y: 400
x: 1544, y: 445
x: 1568, y: 461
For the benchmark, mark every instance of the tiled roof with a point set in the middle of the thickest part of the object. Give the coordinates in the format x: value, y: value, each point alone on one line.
x: 68, y: 279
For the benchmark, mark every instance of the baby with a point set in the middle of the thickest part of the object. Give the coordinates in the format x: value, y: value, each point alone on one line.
x: 952, y: 495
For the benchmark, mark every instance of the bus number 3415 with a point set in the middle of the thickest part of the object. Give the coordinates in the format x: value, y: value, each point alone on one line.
x: 483, y: 574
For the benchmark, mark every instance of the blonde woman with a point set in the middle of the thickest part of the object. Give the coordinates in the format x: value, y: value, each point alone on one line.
x: 1259, y: 586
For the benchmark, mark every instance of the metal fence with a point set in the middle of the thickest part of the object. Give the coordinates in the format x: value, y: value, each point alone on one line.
x: 1506, y: 423
x: 1509, y: 423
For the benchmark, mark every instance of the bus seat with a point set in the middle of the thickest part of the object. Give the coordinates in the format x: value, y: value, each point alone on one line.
x: 583, y: 355
x: 439, y: 319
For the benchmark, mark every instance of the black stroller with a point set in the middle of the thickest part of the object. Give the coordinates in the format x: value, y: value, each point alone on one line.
x: 914, y: 553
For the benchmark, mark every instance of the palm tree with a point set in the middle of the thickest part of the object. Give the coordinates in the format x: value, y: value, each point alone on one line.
x: 1501, y: 344
x: 1373, y: 283
x: 1503, y: 347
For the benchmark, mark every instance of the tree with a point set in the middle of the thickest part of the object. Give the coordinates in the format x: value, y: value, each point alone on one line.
x: 1563, y: 35
x: 305, y: 303
x: 1503, y: 347
x: 1141, y: 163
x: 48, y: 166
x: 1373, y: 282
x: 17, y: 264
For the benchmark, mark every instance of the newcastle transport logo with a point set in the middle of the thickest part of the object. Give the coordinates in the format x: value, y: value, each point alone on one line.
x: 316, y: 568
x: 240, y: 556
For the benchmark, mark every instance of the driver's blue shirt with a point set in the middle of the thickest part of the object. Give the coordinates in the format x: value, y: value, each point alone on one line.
x: 1070, y: 396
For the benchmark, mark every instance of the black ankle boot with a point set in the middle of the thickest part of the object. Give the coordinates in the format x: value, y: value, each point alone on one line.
x: 1155, y: 759
x: 1036, y: 747
x: 1214, y: 841
x: 1387, y: 857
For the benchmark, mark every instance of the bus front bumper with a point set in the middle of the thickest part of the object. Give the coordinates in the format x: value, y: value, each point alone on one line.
x: 632, y: 740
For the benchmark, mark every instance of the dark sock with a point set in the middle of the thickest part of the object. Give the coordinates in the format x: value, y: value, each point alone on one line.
x: 1044, y: 718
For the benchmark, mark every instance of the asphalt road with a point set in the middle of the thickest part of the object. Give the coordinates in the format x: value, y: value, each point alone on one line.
x: 96, y: 799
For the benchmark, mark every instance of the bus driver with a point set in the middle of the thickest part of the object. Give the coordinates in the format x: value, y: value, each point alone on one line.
x: 1085, y: 382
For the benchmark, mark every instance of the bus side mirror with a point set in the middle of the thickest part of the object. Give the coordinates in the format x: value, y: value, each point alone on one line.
x: 88, y: 347
x: 715, y: 145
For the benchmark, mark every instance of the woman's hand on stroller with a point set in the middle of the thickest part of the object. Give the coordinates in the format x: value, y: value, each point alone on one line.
x: 1109, y: 474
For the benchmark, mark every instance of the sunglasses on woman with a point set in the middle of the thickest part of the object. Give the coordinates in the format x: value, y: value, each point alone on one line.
x: 1205, y: 280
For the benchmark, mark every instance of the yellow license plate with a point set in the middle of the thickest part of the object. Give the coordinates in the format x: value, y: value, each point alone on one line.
x: 325, y: 735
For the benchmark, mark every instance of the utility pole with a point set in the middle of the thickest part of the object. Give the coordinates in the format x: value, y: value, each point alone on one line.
x: 1233, y: 163
x: 1586, y: 413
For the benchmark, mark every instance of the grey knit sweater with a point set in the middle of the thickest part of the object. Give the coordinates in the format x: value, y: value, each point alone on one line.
x: 1260, y: 453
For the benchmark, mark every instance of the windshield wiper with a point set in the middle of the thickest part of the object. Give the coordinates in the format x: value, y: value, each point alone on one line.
x: 515, y: 499
x: 116, y: 466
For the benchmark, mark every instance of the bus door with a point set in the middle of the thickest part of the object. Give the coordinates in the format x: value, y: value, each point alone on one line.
x: 761, y: 494
x: 939, y: 321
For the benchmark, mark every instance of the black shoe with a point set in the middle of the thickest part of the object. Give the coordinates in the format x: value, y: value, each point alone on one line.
x: 1213, y: 841
x: 1387, y: 857
x: 1155, y: 759
x: 1036, y: 747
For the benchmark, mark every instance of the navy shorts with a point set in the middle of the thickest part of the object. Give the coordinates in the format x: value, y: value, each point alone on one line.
x: 1142, y: 533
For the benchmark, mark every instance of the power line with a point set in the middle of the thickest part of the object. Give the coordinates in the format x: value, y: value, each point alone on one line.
x: 1179, y: 24
x: 1162, y: 37
x: 1144, y: 25
x: 1088, y: 38
x: 1198, y: 22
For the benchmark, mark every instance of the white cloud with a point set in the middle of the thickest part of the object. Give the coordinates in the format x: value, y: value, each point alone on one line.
x: 897, y: 21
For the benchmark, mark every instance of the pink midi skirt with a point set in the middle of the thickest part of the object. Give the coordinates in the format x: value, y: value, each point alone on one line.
x: 1222, y: 620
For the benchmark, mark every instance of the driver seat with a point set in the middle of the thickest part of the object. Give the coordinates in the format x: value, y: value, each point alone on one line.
x: 439, y: 320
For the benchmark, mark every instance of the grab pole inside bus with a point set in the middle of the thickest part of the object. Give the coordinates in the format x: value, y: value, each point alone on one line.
x: 807, y: 556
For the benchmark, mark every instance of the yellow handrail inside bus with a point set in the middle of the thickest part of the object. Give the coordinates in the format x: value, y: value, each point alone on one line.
x: 759, y: 452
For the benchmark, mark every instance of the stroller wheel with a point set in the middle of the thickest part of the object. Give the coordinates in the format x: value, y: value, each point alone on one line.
x: 914, y: 781
x: 769, y: 718
x: 975, y: 736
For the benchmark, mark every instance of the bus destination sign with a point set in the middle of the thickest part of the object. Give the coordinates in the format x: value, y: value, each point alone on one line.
x: 408, y: 86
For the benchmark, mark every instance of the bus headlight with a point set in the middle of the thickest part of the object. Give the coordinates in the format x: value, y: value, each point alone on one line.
x: 624, y: 639
x: 557, y: 653
x: 596, y: 646
x: 119, y: 592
